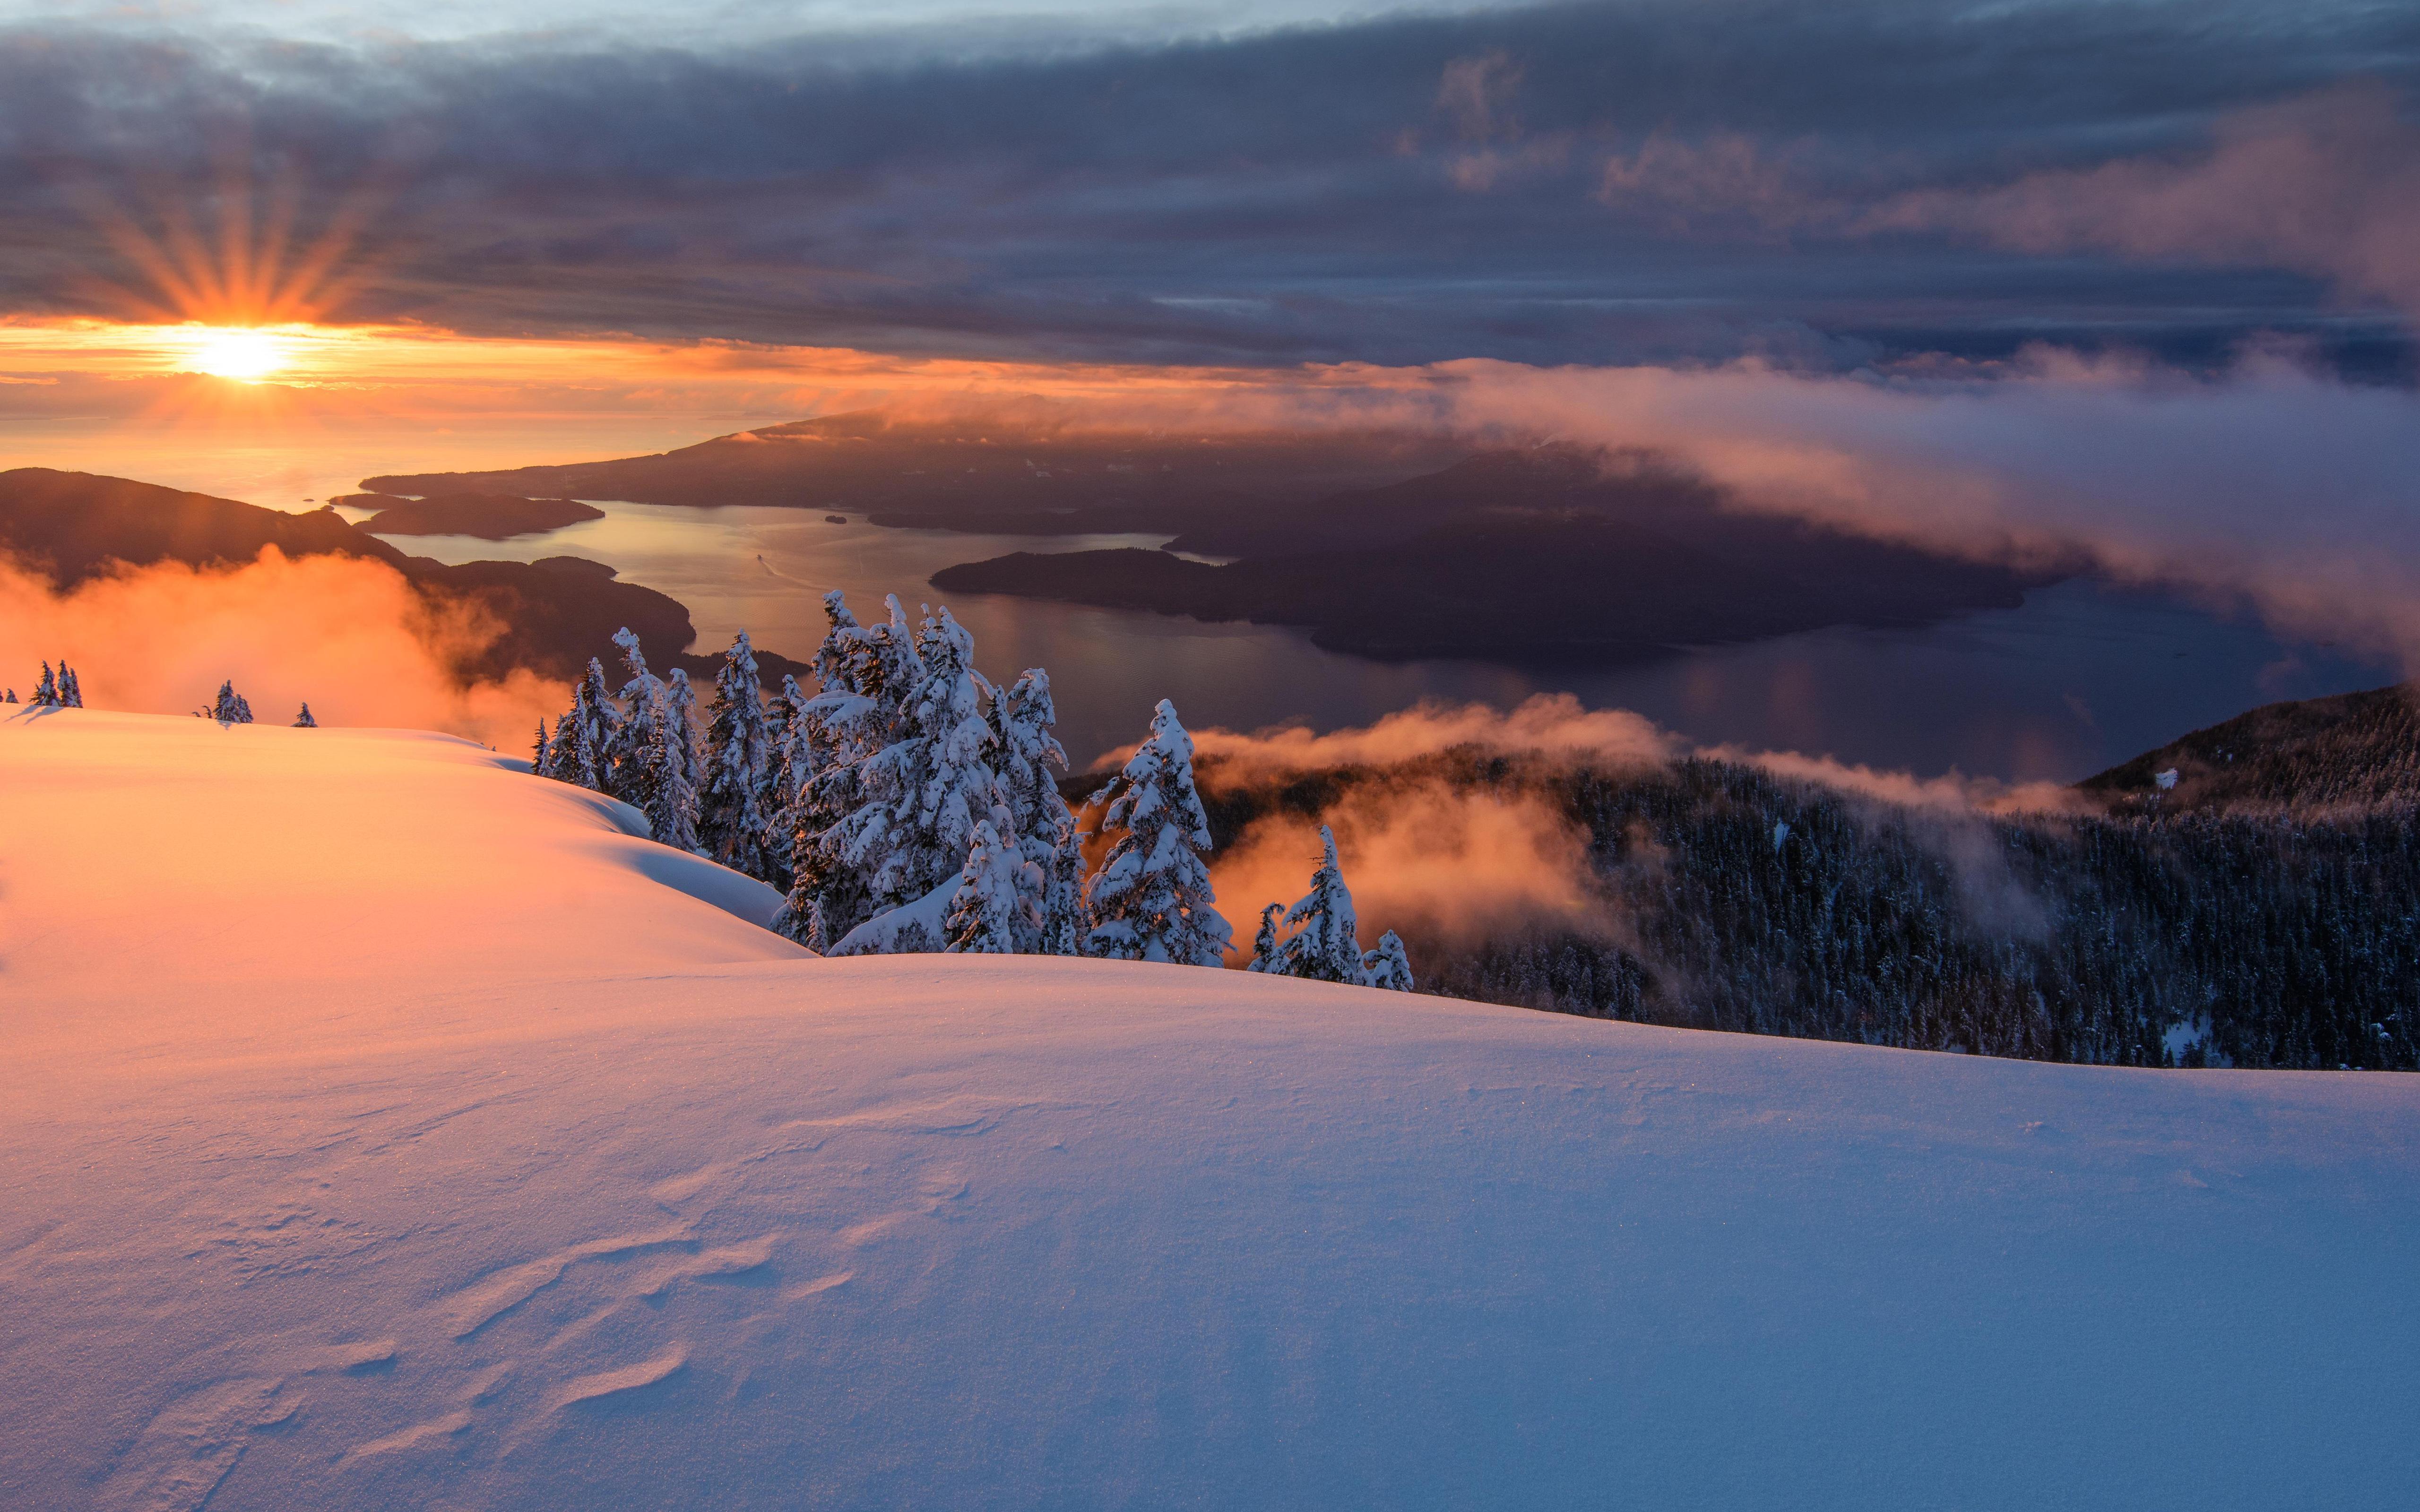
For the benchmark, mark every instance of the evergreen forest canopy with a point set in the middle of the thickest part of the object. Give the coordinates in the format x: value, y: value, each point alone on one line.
x: 2284, y: 934
x: 909, y: 805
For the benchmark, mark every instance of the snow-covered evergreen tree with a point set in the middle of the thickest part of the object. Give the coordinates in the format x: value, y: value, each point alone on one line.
x: 1152, y: 899
x: 304, y: 721
x: 1264, y: 944
x: 70, y: 690
x: 789, y: 764
x: 731, y: 818
x: 555, y: 751
x: 1389, y: 966
x: 11, y: 697
x: 586, y: 735
x: 230, y: 706
x: 904, y: 757
x: 46, y: 692
x: 1064, y: 925
x: 864, y: 673
x: 993, y: 911
x: 1324, y: 946
x: 921, y: 795
x: 635, y: 742
x: 671, y: 807
x: 1040, y: 823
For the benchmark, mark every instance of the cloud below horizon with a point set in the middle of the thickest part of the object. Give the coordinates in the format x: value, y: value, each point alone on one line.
x: 345, y: 635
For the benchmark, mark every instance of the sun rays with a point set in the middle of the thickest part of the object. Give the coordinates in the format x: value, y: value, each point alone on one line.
x: 243, y: 256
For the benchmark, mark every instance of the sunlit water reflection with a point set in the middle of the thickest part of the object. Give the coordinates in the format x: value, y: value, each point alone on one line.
x: 2078, y: 678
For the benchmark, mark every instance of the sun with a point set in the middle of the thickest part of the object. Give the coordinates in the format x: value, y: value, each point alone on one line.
x: 245, y: 356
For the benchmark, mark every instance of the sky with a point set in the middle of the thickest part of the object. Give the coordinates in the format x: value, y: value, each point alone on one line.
x: 1276, y: 182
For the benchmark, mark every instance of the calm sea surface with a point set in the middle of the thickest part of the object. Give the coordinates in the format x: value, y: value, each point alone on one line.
x: 2079, y: 678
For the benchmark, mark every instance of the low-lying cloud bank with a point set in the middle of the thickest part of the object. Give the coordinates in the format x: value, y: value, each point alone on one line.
x: 2272, y: 487
x: 350, y: 636
x: 1554, y: 724
x: 1438, y: 865
x: 1448, y: 864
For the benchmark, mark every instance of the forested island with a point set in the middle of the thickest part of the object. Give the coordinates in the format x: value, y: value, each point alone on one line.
x: 488, y: 517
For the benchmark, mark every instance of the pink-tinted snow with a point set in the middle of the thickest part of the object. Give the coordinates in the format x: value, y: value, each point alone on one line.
x: 384, y: 1127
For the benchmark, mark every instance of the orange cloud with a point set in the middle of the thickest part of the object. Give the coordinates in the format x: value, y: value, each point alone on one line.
x: 1436, y: 864
x: 1553, y: 723
x: 348, y: 636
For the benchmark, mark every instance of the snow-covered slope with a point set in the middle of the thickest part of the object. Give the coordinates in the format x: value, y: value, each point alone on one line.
x: 384, y: 1127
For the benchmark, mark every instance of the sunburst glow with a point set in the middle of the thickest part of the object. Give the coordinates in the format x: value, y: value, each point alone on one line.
x: 245, y: 356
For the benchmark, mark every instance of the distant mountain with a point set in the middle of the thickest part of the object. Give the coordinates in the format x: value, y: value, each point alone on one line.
x: 1385, y: 544
x: 1014, y: 472
x: 489, y: 516
x: 1535, y: 556
x: 71, y: 526
x: 2354, y: 750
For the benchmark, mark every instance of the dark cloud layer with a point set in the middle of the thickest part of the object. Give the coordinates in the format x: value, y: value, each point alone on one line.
x: 1607, y: 183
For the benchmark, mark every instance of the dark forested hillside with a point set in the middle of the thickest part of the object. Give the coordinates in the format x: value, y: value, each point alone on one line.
x: 1529, y: 557
x: 1023, y: 468
x: 1735, y: 900
x: 2356, y: 749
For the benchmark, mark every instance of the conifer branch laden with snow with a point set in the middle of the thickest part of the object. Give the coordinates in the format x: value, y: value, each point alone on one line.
x: 1045, y: 828
x: 1387, y: 967
x: 1152, y: 899
x: 731, y: 818
x: 995, y: 909
x: 922, y: 792
x: 862, y: 676
x: 790, y: 761
x: 577, y: 754
x: 671, y: 805
x: 634, y: 743
x: 923, y: 813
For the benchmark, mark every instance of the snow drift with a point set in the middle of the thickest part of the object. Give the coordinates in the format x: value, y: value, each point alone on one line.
x: 386, y: 1127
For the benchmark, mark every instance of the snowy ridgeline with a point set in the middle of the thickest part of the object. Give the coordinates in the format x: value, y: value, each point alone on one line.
x: 909, y: 805
x: 385, y: 1129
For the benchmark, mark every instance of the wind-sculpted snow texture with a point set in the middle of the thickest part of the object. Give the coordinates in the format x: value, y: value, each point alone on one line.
x: 386, y: 1128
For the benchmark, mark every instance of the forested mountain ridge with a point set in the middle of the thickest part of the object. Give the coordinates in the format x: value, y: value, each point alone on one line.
x: 1383, y: 544
x: 1023, y: 470
x: 1538, y: 556
x: 70, y: 526
x: 2354, y: 750
x: 1728, y: 897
